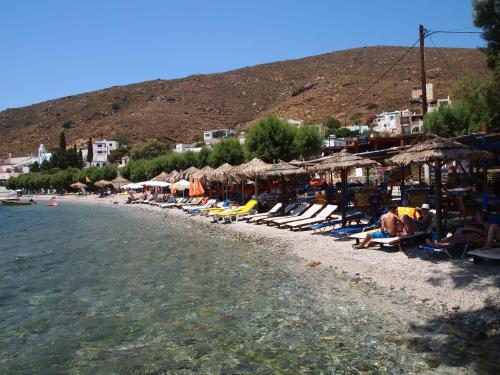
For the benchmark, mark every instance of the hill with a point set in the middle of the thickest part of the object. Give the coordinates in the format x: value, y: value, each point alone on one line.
x: 176, y: 110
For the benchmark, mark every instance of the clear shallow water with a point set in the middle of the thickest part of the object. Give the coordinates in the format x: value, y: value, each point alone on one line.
x: 93, y: 290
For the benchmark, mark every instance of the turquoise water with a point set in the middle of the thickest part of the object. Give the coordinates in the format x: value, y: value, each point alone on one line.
x: 93, y: 290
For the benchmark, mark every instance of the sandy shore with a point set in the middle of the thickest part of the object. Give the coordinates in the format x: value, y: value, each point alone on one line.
x: 440, y: 284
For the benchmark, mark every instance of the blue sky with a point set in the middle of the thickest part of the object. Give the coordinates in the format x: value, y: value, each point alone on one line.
x: 55, y: 48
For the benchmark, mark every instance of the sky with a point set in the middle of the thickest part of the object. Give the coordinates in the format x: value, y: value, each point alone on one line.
x: 55, y: 48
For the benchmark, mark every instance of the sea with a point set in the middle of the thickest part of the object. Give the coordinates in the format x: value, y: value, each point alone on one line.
x: 88, y: 289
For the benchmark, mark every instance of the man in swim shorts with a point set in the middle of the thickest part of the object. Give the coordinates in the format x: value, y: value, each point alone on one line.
x: 389, y: 227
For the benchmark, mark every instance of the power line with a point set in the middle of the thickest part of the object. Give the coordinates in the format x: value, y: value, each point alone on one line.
x: 432, y: 32
x: 378, y: 79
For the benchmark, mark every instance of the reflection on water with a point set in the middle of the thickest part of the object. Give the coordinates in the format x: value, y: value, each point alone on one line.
x: 100, y: 291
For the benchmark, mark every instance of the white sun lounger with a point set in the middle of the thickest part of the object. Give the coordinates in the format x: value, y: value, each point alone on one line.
x: 257, y: 218
x: 293, y: 213
x: 322, y: 216
x: 272, y: 211
x: 309, y: 213
x: 389, y: 241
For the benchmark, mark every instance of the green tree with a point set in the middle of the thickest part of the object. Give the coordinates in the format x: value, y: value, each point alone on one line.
x: 90, y: 150
x: 121, y: 138
x: 308, y: 141
x: 117, y: 154
x: 271, y: 139
x: 331, y: 123
x: 203, y: 157
x: 487, y: 17
x: 344, y: 132
x: 62, y: 142
x: 35, y: 167
x: 149, y: 150
x: 227, y: 151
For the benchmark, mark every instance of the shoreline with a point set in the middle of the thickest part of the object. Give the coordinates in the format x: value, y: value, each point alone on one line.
x: 446, y: 287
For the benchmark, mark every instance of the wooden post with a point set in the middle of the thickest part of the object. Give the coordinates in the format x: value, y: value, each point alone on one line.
x: 420, y: 174
x: 243, y: 191
x: 344, y: 195
x: 439, y: 211
x: 256, y: 188
x: 402, y: 185
x: 422, y: 70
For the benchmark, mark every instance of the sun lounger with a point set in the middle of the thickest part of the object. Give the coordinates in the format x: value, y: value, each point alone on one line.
x: 344, y: 233
x: 320, y: 227
x: 272, y: 211
x: 195, y: 209
x: 259, y: 217
x: 171, y: 204
x: 399, y: 241
x: 309, y: 213
x: 228, y: 216
x: 193, y: 202
x: 490, y: 254
x: 293, y: 213
x: 321, y: 217
x: 221, y: 206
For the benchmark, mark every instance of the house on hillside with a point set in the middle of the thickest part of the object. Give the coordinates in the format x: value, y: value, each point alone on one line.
x: 214, y: 136
x: 101, y: 151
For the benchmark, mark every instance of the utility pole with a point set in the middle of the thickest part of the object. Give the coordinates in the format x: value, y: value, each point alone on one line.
x: 422, y: 70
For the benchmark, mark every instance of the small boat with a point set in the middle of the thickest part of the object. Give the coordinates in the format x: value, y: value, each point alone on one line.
x: 15, y: 203
x: 53, y: 204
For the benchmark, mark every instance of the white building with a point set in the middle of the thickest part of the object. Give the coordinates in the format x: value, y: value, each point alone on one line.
x: 436, y: 104
x: 213, y: 136
x: 14, y: 166
x: 359, y: 128
x: 333, y: 141
x: 183, y: 147
x: 101, y: 151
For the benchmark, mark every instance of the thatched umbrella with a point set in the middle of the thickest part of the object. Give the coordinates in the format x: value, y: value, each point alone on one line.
x: 437, y: 151
x: 225, y: 172
x: 191, y: 171
x: 205, y: 172
x: 119, y: 181
x: 173, y: 175
x: 283, y: 169
x: 78, y: 185
x: 161, y: 177
x: 343, y: 161
x: 103, y: 183
x: 253, y: 169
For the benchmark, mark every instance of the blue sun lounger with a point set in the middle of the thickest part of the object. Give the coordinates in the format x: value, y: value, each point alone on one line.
x: 319, y: 228
x: 344, y: 233
x: 445, y: 250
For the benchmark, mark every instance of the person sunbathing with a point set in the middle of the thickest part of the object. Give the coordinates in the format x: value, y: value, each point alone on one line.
x: 468, y: 234
x: 390, y: 226
x: 418, y: 223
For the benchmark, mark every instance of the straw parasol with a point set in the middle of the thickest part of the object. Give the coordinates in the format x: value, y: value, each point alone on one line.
x: 119, y: 182
x: 224, y: 172
x: 173, y: 175
x: 284, y: 169
x: 253, y: 169
x: 161, y: 177
x: 78, y: 185
x: 343, y: 161
x: 103, y: 183
x: 437, y: 151
x: 191, y: 171
x: 205, y: 172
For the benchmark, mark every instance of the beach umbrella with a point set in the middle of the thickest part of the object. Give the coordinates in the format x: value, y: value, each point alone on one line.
x: 437, y: 151
x: 78, y: 185
x: 161, y: 177
x: 119, y: 182
x: 223, y: 173
x: 174, y: 175
x: 205, y: 172
x: 253, y: 169
x: 191, y: 171
x: 156, y: 183
x: 103, y: 183
x: 198, y: 187
x: 282, y: 169
x: 181, y: 185
x: 342, y: 162
x: 132, y: 186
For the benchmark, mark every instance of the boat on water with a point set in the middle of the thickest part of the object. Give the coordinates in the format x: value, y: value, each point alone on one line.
x: 15, y: 203
x: 8, y: 195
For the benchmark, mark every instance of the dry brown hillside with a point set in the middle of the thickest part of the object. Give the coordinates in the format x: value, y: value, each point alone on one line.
x: 177, y: 110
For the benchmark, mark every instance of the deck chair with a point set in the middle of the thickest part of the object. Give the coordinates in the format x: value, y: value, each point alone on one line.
x: 309, y: 213
x: 272, y: 211
x: 344, y: 233
x: 296, y: 211
x: 320, y: 227
x: 194, y: 202
x: 221, y: 206
x: 256, y: 218
x: 321, y: 217
x: 192, y: 209
x: 229, y: 216
x: 171, y: 204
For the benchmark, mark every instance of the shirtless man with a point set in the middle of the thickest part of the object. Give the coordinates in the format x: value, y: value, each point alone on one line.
x: 414, y: 224
x: 390, y: 225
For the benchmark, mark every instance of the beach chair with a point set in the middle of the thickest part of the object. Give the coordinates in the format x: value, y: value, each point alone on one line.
x: 298, y: 210
x: 320, y: 227
x: 257, y: 218
x: 272, y: 211
x: 196, y: 209
x: 193, y: 202
x: 171, y: 204
x: 320, y: 217
x: 229, y: 216
x: 307, y: 214
x: 399, y: 241
x: 221, y: 206
x: 344, y: 233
